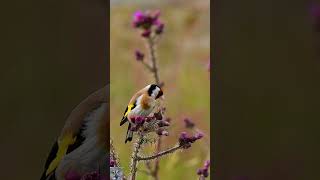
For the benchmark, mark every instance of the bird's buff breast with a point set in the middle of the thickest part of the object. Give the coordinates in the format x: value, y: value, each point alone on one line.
x: 144, y: 108
x: 140, y: 111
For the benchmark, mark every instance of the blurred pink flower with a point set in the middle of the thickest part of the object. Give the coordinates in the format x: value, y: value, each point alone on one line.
x: 149, y: 22
x: 205, y: 170
x: 139, y: 55
x: 185, y: 140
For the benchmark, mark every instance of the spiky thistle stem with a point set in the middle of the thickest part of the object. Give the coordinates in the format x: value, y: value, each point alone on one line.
x: 154, y: 69
x: 151, y: 42
x: 134, y: 157
x: 162, y: 153
x: 153, y: 59
x: 113, y: 154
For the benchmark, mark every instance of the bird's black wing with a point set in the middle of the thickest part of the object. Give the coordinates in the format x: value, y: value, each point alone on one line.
x: 51, y: 157
x: 128, y: 109
x: 54, y: 150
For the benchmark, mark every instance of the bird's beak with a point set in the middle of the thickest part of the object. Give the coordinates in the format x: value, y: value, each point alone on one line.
x: 162, y: 97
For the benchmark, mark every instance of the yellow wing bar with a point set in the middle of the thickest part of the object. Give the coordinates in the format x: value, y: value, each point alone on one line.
x: 130, y: 107
x: 62, y: 150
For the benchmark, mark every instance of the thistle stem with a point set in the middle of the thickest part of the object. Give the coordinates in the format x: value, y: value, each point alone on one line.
x: 154, y: 69
x: 156, y: 168
x: 153, y: 58
x: 165, y: 152
x: 151, y: 42
x: 134, y: 158
x: 143, y: 171
x: 147, y: 66
x: 114, y: 155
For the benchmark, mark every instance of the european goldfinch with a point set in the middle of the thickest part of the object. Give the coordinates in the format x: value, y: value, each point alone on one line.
x: 141, y: 104
x: 81, y: 147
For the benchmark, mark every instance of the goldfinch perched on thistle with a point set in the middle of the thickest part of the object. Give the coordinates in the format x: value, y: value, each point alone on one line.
x: 81, y: 147
x: 141, y: 104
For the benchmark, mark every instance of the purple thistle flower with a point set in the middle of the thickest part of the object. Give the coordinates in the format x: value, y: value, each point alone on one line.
x: 146, y: 33
x: 143, y: 20
x: 205, y: 170
x: 157, y: 22
x: 137, y: 123
x: 158, y: 115
x: 200, y: 171
x: 162, y: 132
x: 183, y: 136
x: 159, y: 28
x: 156, y: 15
x: 163, y: 123
x: 138, y: 18
x: 207, y: 164
x: 188, y: 123
x: 139, y: 55
x: 139, y: 120
x: 205, y: 173
x: 166, y: 133
x: 199, y: 135
x: 112, y: 162
x: 148, y: 22
x: 185, y: 140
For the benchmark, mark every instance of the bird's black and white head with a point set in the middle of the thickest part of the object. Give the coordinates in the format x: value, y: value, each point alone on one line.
x: 155, y: 91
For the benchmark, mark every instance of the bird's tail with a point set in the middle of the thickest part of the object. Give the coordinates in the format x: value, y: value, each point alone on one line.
x: 43, y: 177
x: 49, y: 177
x: 123, y: 120
x: 129, y: 134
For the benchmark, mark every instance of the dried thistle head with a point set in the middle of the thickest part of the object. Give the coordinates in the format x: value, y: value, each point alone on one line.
x: 186, y: 140
x: 188, y: 123
x: 155, y: 123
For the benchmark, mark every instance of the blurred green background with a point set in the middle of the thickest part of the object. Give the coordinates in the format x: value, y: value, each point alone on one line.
x: 183, y: 55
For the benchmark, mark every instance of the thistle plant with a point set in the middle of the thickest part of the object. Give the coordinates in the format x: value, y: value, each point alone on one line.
x: 151, y: 129
x: 151, y: 28
x: 204, y: 171
x: 155, y: 124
